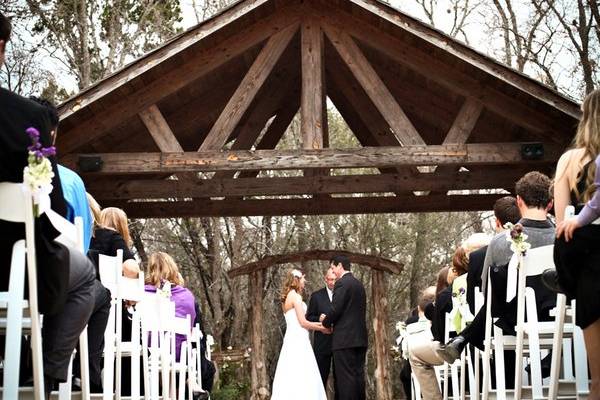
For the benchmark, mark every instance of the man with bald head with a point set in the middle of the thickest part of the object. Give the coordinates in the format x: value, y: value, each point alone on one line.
x: 320, y: 303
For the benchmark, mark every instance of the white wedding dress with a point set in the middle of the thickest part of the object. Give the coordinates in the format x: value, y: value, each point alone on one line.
x: 297, y: 375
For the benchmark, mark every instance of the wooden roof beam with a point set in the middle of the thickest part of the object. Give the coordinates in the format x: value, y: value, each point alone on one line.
x: 314, y: 206
x: 205, y: 61
x: 373, y: 86
x: 366, y: 157
x: 313, y: 120
x: 248, y: 88
x: 284, y: 186
x: 275, y: 131
x: 459, y: 82
x: 159, y: 130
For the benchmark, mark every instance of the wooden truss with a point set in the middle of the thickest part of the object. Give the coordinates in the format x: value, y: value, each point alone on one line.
x: 297, y: 59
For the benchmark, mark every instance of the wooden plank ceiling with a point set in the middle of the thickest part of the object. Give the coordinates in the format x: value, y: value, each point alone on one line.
x: 193, y: 128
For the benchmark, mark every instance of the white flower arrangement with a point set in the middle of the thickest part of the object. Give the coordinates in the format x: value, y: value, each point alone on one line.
x: 38, y: 173
x: 165, y: 290
x: 401, y: 350
x: 517, y: 238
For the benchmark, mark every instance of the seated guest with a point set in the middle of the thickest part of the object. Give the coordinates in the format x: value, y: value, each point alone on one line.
x: 533, y: 200
x: 505, y: 210
x: 77, y: 206
x: 162, y: 272
x: 65, y: 278
x: 112, y: 234
x: 422, y: 348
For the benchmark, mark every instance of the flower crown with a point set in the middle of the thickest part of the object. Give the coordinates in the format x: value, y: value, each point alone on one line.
x: 297, y: 274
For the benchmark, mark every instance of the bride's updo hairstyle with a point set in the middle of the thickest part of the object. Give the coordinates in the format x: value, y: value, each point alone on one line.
x: 291, y: 281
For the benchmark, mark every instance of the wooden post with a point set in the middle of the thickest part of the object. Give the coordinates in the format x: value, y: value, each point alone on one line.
x: 259, y: 384
x: 383, y: 382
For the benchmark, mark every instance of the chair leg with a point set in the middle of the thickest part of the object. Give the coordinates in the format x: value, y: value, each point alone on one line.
x: 14, y: 322
x: 499, y: 363
x: 581, y: 365
x: 556, y: 345
x: 84, y: 364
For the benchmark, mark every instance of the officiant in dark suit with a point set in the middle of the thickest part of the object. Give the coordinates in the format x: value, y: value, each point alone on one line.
x: 349, y: 341
x: 320, y: 303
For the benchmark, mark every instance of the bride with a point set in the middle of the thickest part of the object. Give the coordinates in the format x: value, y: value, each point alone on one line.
x: 297, y: 375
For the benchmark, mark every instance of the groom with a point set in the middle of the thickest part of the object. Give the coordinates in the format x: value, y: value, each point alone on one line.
x: 348, y: 319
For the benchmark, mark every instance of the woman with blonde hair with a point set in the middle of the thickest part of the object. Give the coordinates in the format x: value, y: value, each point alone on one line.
x: 297, y: 375
x: 111, y: 233
x: 576, y: 253
x: 163, y: 274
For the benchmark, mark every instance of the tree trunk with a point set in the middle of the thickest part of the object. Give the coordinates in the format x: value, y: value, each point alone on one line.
x: 383, y: 381
x: 259, y: 386
x: 417, y: 259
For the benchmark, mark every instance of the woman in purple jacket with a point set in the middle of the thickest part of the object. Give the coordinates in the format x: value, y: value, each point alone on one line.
x: 162, y: 269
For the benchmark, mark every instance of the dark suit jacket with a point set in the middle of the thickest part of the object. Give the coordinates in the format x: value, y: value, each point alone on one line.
x: 348, y: 314
x: 16, y: 115
x: 318, y: 304
x: 436, y: 313
x: 476, y: 259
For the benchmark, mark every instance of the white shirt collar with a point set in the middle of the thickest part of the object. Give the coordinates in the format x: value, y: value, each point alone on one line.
x: 329, y: 293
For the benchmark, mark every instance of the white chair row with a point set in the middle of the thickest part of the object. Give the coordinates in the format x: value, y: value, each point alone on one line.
x: 22, y: 316
x: 533, y: 340
x: 153, y: 340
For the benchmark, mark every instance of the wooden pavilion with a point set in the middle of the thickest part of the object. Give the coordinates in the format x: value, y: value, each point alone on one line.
x: 192, y: 128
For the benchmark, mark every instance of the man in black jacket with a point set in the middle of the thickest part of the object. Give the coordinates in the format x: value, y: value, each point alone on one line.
x: 65, y: 278
x: 505, y: 210
x: 320, y: 303
x: 349, y: 342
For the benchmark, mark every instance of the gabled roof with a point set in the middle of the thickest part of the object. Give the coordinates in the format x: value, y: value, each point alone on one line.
x: 395, y: 80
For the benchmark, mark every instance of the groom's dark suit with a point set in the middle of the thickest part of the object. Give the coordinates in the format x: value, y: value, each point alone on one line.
x: 349, y: 342
x: 318, y: 304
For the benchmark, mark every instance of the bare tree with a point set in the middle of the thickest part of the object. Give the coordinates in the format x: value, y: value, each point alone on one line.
x: 577, y: 19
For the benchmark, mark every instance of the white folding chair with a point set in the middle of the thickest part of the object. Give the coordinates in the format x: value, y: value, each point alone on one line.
x: 110, y: 268
x: 156, y: 313
x: 532, y: 337
x: 16, y: 206
x: 183, y: 367
x: 122, y: 289
x: 71, y: 235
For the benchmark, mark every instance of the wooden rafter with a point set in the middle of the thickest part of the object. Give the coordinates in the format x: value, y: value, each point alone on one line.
x: 337, y: 184
x: 373, y: 86
x: 461, y: 128
x: 312, y: 118
x: 468, y: 55
x: 204, y: 62
x: 465, y: 122
x: 371, y: 261
x: 248, y: 88
x: 367, y: 157
x: 314, y: 206
x: 273, y: 102
x: 276, y: 130
x: 455, y: 80
x: 159, y: 129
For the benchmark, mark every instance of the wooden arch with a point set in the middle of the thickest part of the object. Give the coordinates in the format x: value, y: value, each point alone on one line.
x: 378, y: 265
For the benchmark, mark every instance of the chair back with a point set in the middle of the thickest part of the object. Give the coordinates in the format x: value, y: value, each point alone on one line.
x: 538, y: 260
x: 17, y: 206
x: 110, y: 269
x: 11, y: 197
